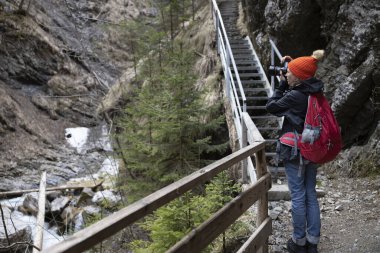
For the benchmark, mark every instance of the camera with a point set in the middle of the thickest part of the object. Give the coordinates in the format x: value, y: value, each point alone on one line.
x: 276, y: 70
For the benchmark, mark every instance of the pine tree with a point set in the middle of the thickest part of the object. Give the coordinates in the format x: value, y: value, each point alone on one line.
x: 172, y: 222
x: 165, y: 132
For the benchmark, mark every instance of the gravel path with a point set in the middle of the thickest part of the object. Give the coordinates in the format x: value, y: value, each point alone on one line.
x: 350, y: 217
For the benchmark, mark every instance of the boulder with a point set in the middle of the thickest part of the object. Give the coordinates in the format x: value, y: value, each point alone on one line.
x: 59, y: 204
x: 106, y: 198
x: 29, y: 205
x: 86, y: 196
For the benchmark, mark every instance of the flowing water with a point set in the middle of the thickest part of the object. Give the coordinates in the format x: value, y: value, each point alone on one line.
x: 87, y: 142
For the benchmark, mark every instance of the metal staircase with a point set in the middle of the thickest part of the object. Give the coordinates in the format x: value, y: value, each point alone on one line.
x: 256, y: 88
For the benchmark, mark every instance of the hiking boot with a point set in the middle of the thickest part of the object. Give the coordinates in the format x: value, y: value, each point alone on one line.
x: 311, y: 248
x: 294, y: 248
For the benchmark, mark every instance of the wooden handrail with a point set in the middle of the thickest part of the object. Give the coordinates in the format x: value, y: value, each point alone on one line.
x: 202, y: 236
x: 92, y: 235
x: 253, y: 134
x: 255, y: 241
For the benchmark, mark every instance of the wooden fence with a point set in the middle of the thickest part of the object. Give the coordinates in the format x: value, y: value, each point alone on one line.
x: 203, y: 235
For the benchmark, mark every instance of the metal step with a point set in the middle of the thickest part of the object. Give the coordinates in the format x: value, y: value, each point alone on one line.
x: 255, y: 98
x: 239, y: 42
x: 255, y: 89
x: 231, y: 37
x: 244, y: 56
x: 247, y: 69
x: 239, y: 46
x: 242, y: 51
x: 269, y: 128
x: 232, y: 30
x: 248, y: 82
x: 246, y: 62
x: 229, y: 12
x: 256, y: 107
x: 264, y: 117
x: 248, y: 75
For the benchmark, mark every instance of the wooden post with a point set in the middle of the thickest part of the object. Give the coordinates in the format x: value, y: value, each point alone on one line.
x: 41, y: 215
x: 262, y: 203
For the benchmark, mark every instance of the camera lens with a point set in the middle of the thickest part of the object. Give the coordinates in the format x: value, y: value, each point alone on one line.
x: 276, y: 70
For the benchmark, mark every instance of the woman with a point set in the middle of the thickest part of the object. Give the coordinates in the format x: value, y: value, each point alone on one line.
x: 290, y: 100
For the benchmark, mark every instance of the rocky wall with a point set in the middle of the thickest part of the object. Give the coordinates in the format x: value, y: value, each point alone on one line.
x: 349, y: 32
x: 57, y: 61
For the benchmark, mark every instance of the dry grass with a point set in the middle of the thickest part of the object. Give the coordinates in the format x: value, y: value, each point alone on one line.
x: 206, y: 65
x: 199, y: 35
x: 120, y: 89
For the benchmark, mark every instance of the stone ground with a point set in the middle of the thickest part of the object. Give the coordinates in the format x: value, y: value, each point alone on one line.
x: 350, y: 217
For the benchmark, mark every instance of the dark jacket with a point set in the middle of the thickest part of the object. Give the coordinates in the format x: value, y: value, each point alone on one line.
x: 292, y: 104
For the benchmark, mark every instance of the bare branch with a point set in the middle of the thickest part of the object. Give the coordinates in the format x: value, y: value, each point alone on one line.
x: 5, y: 226
x: 19, y: 243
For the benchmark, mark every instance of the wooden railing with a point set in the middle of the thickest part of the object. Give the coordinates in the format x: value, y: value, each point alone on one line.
x: 203, y: 235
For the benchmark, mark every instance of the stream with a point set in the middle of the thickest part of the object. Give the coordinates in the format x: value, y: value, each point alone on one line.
x: 87, y: 143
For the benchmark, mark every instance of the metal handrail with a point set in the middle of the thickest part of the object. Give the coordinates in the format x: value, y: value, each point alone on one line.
x: 232, y: 87
x: 224, y: 48
x: 240, y: 116
x: 267, y: 85
x: 274, y: 50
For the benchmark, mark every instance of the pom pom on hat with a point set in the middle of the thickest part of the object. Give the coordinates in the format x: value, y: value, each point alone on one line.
x: 306, y: 66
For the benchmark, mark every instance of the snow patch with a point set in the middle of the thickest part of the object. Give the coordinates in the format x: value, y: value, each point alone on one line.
x: 77, y: 137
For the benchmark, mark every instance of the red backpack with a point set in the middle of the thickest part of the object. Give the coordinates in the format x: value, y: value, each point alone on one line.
x: 320, y: 141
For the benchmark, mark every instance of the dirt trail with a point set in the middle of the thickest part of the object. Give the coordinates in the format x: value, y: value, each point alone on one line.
x: 350, y: 217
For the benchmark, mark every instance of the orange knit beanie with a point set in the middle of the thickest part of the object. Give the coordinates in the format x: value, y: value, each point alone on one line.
x: 306, y: 66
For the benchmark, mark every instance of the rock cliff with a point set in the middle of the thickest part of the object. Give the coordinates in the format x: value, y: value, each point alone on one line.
x: 58, y: 59
x: 349, y: 32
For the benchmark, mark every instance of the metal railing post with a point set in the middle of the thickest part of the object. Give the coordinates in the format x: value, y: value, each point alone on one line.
x: 244, y: 143
x: 274, y: 50
x: 272, y: 63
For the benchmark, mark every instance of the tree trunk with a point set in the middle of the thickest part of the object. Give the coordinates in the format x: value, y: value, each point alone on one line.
x: 27, y: 10
x: 171, y: 23
x: 193, y: 8
x: 21, y: 5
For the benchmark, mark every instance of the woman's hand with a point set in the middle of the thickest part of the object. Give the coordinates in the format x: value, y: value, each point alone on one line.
x: 283, y: 86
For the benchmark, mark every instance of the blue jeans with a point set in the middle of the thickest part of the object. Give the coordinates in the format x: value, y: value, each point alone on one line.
x: 305, y: 208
